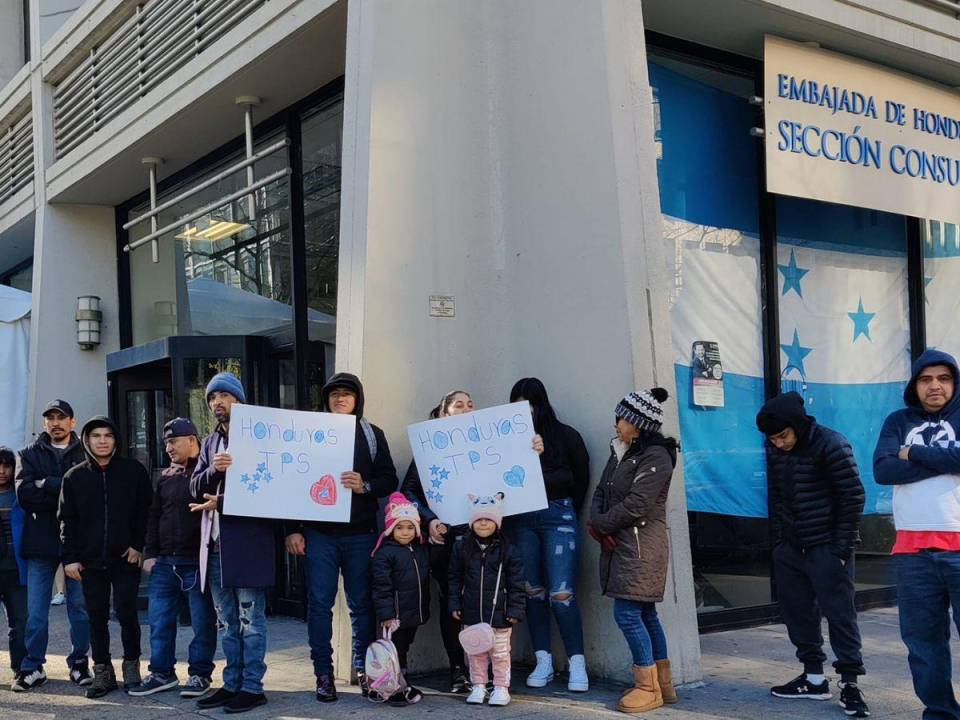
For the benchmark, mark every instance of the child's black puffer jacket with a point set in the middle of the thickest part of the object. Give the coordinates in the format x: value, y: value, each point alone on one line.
x: 401, y: 583
x: 473, y: 576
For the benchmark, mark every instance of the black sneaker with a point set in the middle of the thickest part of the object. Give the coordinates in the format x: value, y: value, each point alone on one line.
x: 458, y: 680
x: 154, y: 683
x: 196, y: 687
x: 802, y: 688
x: 413, y: 695
x: 244, y: 701
x: 28, y: 680
x: 219, y: 698
x: 852, y: 702
x: 398, y: 699
x: 81, y: 675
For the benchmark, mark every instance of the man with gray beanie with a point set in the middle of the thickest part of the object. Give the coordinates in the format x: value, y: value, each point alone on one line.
x: 816, y: 500
x: 237, y: 558
x: 172, y: 553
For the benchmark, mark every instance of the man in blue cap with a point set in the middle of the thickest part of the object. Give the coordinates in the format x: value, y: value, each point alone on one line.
x: 238, y: 557
x: 172, y: 553
x: 42, y: 467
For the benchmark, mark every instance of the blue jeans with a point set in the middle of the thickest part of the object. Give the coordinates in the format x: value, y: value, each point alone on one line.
x: 174, y: 578
x: 242, y: 620
x: 326, y: 558
x: 640, y: 625
x: 40, y: 575
x: 928, y: 584
x: 547, y: 540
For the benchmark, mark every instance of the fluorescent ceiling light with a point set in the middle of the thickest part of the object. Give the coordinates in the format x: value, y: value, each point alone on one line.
x: 216, y: 230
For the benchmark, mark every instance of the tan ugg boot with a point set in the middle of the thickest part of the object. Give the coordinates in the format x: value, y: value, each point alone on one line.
x: 665, y: 680
x: 645, y: 694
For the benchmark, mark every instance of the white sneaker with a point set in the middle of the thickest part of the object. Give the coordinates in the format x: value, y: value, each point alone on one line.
x: 543, y: 672
x: 500, y: 696
x: 578, y: 680
x: 477, y: 695
x: 58, y: 599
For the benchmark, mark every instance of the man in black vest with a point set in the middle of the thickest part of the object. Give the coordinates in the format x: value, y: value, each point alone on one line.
x: 816, y: 500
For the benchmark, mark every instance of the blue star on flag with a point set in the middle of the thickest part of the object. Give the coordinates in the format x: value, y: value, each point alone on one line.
x: 795, y: 353
x: 792, y: 274
x: 861, y: 322
x: 444, y: 474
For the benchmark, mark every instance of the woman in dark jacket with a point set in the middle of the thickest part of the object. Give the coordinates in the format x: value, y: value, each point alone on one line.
x: 551, y: 573
x: 401, y: 582
x: 629, y: 519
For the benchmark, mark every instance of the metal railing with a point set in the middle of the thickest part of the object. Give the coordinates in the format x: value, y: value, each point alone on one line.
x: 16, y: 157
x: 159, y: 39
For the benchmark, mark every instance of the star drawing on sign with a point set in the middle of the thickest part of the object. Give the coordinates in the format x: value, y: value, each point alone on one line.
x: 792, y: 274
x: 253, y: 487
x: 430, y: 494
x: 266, y: 477
x: 444, y: 474
x: 437, y: 497
x: 261, y: 468
x: 437, y: 483
x: 244, y: 478
x: 434, y: 469
x: 861, y: 322
x: 795, y: 353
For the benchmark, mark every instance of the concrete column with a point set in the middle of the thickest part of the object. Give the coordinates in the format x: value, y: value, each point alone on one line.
x: 502, y: 153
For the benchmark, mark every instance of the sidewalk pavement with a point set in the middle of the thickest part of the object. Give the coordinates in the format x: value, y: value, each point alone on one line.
x: 739, y: 666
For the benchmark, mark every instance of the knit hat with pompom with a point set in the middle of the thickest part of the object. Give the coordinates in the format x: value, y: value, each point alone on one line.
x: 643, y: 409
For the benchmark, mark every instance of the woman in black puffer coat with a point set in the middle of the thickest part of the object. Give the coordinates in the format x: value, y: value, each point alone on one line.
x: 401, y: 582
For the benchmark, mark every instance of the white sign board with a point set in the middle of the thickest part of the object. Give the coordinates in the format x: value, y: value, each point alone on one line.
x: 287, y: 464
x: 481, y: 453
x: 846, y: 131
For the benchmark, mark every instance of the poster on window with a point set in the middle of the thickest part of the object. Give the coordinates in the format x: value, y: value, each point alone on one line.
x: 707, y: 372
x: 287, y: 464
x: 479, y: 453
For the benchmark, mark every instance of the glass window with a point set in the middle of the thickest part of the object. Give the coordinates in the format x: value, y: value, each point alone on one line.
x: 225, y: 273
x: 197, y: 372
x: 845, y: 338
x: 21, y: 279
x: 941, y: 278
x: 709, y: 188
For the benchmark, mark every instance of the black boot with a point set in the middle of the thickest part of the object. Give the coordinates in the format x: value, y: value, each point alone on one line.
x: 220, y: 698
x: 326, y: 690
x: 244, y: 701
x: 104, y: 680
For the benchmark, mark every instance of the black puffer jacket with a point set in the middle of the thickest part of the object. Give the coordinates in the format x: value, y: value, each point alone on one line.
x: 473, y: 576
x: 401, y: 583
x: 816, y: 496
x: 40, y: 463
x: 171, y: 528
x: 103, y: 511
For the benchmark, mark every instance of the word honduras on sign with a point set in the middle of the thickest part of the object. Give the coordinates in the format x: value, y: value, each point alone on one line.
x: 287, y: 464
x: 481, y: 453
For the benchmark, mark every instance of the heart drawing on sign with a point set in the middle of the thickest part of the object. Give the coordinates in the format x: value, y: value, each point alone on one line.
x: 514, y: 476
x: 324, y: 491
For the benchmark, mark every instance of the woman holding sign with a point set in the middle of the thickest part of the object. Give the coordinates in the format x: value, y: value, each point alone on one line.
x: 629, y: 520
x: 547, y: 539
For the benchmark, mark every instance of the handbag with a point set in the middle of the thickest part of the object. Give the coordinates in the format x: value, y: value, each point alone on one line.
x: 478, y: 639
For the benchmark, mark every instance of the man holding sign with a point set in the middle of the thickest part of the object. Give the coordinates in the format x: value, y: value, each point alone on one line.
x: 330, y: 549
x: 238, y: 555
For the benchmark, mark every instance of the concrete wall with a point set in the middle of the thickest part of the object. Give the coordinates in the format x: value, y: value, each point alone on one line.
x: 501, y: 152
x: 11, y: 39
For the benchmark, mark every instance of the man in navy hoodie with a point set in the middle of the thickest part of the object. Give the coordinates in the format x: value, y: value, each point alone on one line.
x: 919, y: 455
x: 237, y: 558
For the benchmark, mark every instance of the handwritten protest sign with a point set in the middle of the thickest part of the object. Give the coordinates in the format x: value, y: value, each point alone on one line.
x: 482, y: 452
x: 287, y: 464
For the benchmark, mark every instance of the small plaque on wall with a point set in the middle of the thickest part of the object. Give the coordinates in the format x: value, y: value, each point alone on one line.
x: 443, y: 306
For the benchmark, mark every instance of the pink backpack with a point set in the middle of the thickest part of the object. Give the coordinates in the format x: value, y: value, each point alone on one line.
x: 382, y: 668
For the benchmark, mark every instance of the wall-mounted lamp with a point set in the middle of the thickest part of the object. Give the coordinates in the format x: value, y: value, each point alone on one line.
x: 89, y: 319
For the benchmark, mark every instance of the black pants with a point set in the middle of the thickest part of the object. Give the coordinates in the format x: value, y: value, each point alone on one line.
x: 124, y: 579
x: 14, y: 598
x: 449, y: 628
x: 403, y: 640
x: 811, y: 584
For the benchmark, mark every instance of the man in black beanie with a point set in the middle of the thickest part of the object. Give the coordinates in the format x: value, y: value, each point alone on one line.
x: 816, y: 500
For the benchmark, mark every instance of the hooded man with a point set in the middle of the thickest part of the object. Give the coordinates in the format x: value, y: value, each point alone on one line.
x: 13, y: 587
x: 237, y: 558
x: 330, y: 549
x: 103, y: 523
x: 918, y: 454
x: 816, y: 500
x: 172, y: 553
x: 42, y: 465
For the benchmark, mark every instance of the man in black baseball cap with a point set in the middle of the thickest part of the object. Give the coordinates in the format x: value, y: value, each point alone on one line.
x: 172, y: 555
x: 42, y: 466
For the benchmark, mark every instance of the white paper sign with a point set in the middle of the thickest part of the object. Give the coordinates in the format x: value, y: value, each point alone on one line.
x: 483, y: 452
x: 287, y: 464
x: 846, y: 131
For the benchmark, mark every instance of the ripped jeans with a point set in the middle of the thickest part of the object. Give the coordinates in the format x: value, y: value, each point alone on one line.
x: 549, y: 546
x: 242, y: 622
